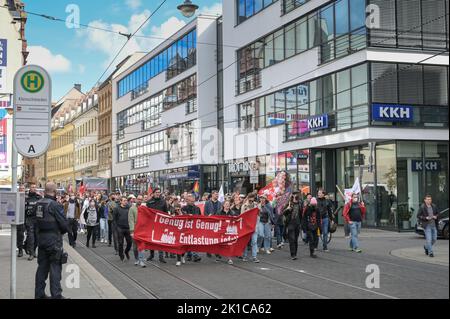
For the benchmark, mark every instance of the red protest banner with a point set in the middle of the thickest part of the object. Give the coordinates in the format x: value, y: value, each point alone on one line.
x: 224, y: 235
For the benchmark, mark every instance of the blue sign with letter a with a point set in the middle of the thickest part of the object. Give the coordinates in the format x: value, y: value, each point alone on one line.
x: 392, y: 113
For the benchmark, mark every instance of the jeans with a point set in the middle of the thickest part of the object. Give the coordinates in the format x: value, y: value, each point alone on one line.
x: 293, y: 234
x: 104, y: 228
x: 254, y: 246
x: 138, y: 255
x: 346, y: 229
x: 355, y: 229
x: 264, y: 235
x: 325, y: 230
x: 431, y: 237
x: 279, y: 230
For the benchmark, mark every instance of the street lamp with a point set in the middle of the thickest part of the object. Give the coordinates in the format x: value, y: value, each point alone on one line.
x: 188, y: 8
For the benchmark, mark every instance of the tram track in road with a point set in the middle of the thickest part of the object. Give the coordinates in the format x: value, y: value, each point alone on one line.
x: 280, y: 282
x: 203, y: 290
x: 337, y: 282
x: 150, y: 294
x: 143, y: 289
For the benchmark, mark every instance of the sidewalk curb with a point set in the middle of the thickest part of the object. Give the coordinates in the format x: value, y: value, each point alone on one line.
x: 411, y: 254
x: 102, y: 286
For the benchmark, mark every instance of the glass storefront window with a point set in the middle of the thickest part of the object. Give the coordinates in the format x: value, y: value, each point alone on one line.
x: 410, y: 196
x: 436, y: 173
x: 386, y: 169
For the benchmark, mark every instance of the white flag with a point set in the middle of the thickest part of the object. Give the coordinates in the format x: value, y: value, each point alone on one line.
x: 221, y: 195
x: 356, y: 189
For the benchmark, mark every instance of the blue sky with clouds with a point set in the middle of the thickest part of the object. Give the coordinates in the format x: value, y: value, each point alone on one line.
x: 81, y: 55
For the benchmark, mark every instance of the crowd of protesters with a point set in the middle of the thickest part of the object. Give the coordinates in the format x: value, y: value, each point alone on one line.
x: 111, y: 220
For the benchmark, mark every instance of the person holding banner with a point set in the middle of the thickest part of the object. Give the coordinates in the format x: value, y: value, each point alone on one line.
x: 158, y: 203
x: 354, y: 213
x: 191, y: 209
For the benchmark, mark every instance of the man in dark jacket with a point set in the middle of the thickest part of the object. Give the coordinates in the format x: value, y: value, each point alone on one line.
x: 30, y: 221
x: 51, y: 225
x: 326, y: 212
x: 191, y: 209
x: 158, y: 203
x: 213, y: 206
x: 428, y: 214
x: 120, y: 216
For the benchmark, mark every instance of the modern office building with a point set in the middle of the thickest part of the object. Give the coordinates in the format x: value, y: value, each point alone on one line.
x: 331, y: 91
x: 165, y: 113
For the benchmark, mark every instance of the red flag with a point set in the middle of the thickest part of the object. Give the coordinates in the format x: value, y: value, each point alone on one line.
x: 224, y: 235
x: 150, y: 190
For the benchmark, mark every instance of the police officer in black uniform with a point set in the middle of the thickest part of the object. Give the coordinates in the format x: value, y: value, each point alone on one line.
x: 30, y: 221
x: 51, y: 225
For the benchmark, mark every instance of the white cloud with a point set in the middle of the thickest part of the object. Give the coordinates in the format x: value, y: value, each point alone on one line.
x: 43, y: 57
x: 215, y: 9
x: 133, y: 4
x: 145, y: 40
x: 167, y: 29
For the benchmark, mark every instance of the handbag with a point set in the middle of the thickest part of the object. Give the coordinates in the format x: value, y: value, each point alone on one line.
x: 332, y: 227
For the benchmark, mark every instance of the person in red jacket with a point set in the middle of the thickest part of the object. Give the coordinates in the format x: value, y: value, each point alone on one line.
x: 354, y: 213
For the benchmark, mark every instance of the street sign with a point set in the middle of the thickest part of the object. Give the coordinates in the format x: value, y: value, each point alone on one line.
x: 32, y: 111
x: 254, y: 177
x: 9, y: 212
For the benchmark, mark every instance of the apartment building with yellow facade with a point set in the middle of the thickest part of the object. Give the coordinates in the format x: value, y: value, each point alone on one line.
x: 61, y: 154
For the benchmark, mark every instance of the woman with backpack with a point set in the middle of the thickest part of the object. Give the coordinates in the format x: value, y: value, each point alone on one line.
x: 92, y: 218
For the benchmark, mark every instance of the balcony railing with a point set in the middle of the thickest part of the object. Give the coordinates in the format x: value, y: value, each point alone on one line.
x: 248, y: 83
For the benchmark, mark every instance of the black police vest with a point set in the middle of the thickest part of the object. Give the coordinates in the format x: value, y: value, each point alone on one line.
x: 46, y: 222
x: 31, y: 203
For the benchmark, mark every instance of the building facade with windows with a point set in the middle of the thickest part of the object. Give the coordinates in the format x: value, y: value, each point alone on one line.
x: 60, y: 162
x: 331, y: 91
x: 165, y: 113
x: 85, y: 123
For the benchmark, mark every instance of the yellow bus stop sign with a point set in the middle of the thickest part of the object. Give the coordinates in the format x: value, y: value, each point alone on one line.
x: 32, y: 81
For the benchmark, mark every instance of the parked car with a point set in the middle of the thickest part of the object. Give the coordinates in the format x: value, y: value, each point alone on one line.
x: 442, y: 225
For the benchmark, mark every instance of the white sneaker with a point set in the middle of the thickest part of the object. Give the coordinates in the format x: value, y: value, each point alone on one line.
x: 142, y: 264
x: 230, y: 262
x: 261, y: 250
x: 183, y: 260
x: 271, y: 249
x: 268, y: 252
x: 178, y: 264
x: 136, y: 263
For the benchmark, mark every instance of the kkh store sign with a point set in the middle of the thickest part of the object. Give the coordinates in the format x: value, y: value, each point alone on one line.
x: 315, y: 123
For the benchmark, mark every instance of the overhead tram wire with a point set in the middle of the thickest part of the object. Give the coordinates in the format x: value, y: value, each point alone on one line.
x: 127, y: 35
x: 129, y: 38
x: 408, y: 66
x: 285, y: 82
